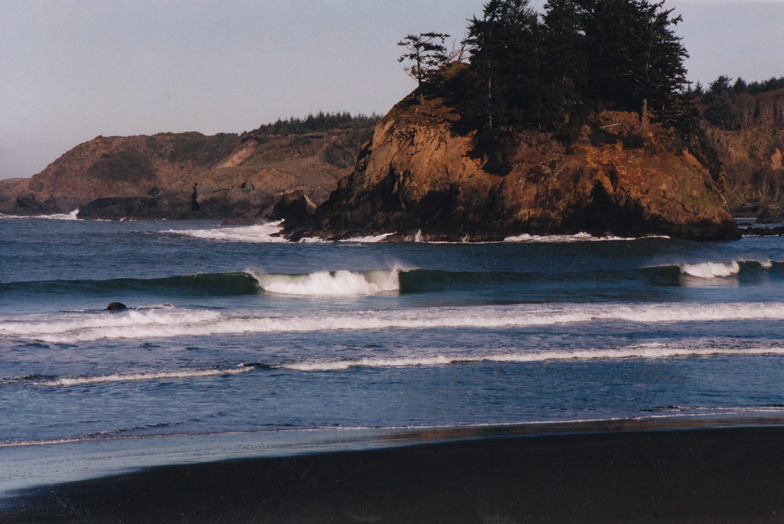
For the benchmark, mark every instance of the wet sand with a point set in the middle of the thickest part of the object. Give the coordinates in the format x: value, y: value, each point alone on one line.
x: 618, y: 471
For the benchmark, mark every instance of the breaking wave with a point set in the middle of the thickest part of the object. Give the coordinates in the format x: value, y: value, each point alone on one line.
x: 170, y: 321
x: 142, y: 376
x: 646, y: 352
x: 268, y: 232
x: 397, y: 280
x: 332, y: 283
x: 58, y: 216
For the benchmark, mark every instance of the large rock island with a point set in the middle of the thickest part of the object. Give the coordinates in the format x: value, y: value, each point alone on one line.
x: 418, y: 176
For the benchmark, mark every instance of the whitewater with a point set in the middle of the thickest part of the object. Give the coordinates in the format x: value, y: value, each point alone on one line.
x: 234, y: 330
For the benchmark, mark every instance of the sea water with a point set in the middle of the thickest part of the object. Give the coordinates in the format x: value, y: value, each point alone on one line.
x: 234, y: 330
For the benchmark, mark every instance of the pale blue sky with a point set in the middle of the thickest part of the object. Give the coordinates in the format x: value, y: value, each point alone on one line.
x: 75, y: 69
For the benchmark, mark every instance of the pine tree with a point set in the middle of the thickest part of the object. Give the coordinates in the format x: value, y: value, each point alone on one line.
x: 505, y: 59
x: 634, y: 55
x: 426, y: 52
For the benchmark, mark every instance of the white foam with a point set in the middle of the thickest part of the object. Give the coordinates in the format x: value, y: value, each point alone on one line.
x: 143, y: 376
x: 711, y: 269
x: 334, y: 283
x: 258, y: 233
x: 58, y: 216
x: 53, y: 327
x: 643, y: 352
x: 172, y: 322
x: 369, y: 239
x: 565, y: 239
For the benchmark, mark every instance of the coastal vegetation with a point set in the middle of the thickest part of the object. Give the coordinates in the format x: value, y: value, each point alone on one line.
x: 318, y: 123
x: 555, y: 71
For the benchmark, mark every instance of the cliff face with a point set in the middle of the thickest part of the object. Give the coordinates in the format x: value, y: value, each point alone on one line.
x: 186, y: 175
x: 416, y: 174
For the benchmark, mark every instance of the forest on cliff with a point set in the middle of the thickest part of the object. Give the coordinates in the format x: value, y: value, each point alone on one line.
x: 551, y: 72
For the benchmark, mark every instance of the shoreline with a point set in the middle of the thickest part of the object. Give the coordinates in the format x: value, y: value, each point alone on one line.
x: 664, y: 469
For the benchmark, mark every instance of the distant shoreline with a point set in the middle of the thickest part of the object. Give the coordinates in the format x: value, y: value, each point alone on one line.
x: 653, y: 469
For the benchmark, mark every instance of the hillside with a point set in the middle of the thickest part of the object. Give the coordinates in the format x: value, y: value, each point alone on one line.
x: 749, y: 141
x: 189, y: 175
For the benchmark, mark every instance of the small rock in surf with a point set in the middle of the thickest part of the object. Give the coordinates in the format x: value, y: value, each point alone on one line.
x: 116, y: 306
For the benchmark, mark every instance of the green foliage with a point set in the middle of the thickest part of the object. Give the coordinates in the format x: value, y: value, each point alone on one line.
x: 633, y: 55
x: 319, y: 123
x: 756, y: 88
x: 426, y: 53
x: 506, y: 65
x: 721, y: 104
x: 552, y: 71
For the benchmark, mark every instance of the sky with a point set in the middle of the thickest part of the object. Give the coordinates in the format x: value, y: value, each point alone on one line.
x: 71, y: 70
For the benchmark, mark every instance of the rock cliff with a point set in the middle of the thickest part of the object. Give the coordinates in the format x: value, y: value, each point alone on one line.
x: 417, y: 175
x: 187, y: 175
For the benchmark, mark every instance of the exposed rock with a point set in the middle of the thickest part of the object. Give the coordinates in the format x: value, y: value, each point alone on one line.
x: 418, y: 175
x: 116, y: 306
x: 294, y: 207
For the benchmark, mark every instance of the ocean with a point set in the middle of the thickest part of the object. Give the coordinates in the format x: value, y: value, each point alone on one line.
x: 235, y: 341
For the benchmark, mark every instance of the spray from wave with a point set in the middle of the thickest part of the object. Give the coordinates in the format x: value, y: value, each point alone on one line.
x: 331, y: 283
x: 268, y: 232
x: 711, y: 269
x: 57, y: 216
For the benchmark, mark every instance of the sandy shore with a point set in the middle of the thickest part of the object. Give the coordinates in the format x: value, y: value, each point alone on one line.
x: 657, y: 470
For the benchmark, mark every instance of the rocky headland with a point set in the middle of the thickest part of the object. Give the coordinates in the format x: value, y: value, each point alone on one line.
x: 191, y: 176
x: 418, y: 175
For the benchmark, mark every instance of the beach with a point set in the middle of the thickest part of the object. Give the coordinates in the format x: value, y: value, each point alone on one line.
x: 668, y: 470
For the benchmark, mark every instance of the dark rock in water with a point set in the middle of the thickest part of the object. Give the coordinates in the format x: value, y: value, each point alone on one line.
x: 116, y: 306
x: 119, y: 207
x: 294, y: 207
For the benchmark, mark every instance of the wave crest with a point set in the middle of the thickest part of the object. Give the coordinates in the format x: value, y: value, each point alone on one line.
x: 331, y: 283
x: 711, y: 269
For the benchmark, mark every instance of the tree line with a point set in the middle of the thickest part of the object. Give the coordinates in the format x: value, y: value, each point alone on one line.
x: 320, y: 122
x: 550, y: 71
x: 720, y: 101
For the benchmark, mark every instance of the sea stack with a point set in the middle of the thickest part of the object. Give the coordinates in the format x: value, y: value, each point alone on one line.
x: 419, y: 172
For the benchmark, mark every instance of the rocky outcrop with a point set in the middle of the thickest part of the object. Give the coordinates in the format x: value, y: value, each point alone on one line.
x: 186, y: 175
x: 417, y: 175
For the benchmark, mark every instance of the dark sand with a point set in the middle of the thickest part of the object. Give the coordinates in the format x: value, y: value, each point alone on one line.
x: 607, y: 472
